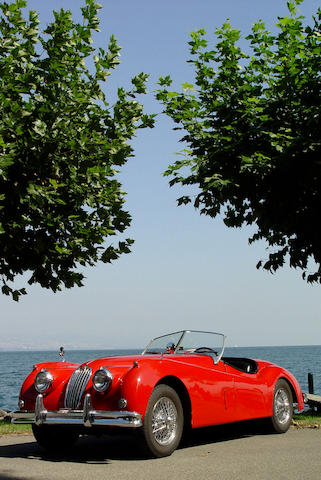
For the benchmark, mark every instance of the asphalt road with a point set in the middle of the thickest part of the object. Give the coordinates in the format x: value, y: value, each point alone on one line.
x: 216, y: 453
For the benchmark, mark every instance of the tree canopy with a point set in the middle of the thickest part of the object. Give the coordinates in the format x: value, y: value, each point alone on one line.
x: 251, y: 126
x: 61, y: 145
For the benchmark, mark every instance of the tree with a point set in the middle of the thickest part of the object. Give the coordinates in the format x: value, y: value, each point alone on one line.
x: 61, y: 144
x: 252, y: 129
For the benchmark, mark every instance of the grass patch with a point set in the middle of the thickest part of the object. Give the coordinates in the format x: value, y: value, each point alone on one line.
x: 307, y: 419
x: 7, y: 428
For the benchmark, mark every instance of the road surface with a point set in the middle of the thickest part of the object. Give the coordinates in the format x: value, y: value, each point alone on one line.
x: 216, y: 453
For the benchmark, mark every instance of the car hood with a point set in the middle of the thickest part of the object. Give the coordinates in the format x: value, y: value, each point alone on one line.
x: 123, y: 361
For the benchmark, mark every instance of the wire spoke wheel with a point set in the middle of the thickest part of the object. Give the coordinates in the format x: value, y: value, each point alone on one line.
x: 163, y: 422
x: 282, y: 407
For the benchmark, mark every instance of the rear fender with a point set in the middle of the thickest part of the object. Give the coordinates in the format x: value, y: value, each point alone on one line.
x: 271, y: 375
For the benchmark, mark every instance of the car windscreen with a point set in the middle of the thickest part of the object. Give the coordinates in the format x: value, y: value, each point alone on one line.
x: 187, y: 341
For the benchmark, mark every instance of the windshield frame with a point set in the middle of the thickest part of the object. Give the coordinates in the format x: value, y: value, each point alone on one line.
x: 181, y: 334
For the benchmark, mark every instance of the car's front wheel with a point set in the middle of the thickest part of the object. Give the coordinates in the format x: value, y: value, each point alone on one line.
x: 163, y: 422
x: 55, y: 439
x: 282, y: 407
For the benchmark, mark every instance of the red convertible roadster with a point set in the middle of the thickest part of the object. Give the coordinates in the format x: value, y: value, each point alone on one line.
x: 180, y: 380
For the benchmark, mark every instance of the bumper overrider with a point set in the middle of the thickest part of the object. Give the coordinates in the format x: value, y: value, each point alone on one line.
x: 86, y: 417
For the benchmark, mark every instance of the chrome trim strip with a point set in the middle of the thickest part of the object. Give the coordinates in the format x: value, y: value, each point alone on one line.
x: 86, y: 417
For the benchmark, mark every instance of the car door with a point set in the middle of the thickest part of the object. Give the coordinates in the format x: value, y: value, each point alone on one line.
x: 211, y: 390
x: 249, y: 393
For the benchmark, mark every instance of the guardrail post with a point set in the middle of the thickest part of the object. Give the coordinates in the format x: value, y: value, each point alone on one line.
x: 310, y: 383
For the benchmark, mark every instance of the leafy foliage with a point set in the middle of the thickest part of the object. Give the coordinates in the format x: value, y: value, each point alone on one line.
x: 61, y: 144
x: 252, y: 129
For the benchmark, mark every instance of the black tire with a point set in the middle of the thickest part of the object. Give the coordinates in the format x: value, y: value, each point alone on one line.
x: 55, y: 439
x: 282, y: 407
x: 163, y: 422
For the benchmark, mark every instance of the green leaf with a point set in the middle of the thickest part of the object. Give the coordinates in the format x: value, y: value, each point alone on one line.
x: 165, y: 81
x: 40, y: 127
x: 188, y: 86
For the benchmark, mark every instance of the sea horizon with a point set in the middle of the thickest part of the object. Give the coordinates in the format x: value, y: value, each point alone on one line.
x: 88, y: 348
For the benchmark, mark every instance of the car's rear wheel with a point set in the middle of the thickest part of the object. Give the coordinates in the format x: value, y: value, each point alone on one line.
x: 282, y: 407
x: 163, y: 422
x: 55, y: 439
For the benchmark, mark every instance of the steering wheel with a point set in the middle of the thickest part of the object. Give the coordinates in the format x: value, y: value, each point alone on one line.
x: 205, y: 350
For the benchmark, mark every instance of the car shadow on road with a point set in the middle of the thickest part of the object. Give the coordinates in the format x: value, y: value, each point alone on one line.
x: 225, y: 433
x: 93, y: 450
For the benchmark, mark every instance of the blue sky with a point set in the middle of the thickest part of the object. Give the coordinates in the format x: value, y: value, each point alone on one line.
x: 185, y: 271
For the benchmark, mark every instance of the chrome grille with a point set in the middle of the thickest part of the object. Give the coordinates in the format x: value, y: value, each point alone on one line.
x: 76, y: 387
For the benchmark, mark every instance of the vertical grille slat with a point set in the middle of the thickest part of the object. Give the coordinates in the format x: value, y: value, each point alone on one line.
x: 76, y: 387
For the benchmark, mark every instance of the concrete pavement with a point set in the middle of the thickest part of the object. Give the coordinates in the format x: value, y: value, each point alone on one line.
x: 216, y: 453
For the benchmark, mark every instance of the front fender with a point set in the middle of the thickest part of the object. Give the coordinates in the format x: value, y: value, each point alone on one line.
x: 60, y: 372
x: 139, y: 382
x: 137, y: 386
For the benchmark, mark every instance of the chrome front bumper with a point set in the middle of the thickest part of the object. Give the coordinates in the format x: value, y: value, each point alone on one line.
x: 86, y: 417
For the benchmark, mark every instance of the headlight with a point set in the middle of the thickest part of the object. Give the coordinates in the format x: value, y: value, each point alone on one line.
x: 102, y: 379
x: 43, y: 381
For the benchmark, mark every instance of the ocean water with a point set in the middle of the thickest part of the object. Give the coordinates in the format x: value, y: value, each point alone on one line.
x: 15, y: 366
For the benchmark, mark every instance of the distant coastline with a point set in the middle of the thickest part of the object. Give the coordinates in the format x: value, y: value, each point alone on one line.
x: 20, y: 347
x: 51, y: 348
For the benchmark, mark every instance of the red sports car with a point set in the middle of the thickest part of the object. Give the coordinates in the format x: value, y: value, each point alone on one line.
x: 180, y: 380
